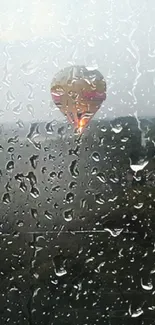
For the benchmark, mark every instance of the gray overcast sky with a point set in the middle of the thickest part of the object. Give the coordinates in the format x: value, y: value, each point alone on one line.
x: 38, y: 38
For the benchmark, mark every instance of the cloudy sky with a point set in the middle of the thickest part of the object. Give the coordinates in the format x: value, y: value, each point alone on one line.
x: 38, y: 38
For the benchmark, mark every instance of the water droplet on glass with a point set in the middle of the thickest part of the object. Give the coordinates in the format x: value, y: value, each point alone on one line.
x: 68, y: 215
x: 139, y: 205
x: 73, y: 168
x: 49, y: 128
x: 91, y: 43
x: 103, y: 129
x: 59, y: 266
x: 69, y: 197
x: 34, y: 192
x: 23, y: 186
x: 147, y: 287
x: 20, y: 124
x: 29, y: 67
x: 99, y: 198
x: 140, y: 166
x: 1, y: 148
x: 35, y: 293
x: 9, y: 97
x: 10, y: 149
x: 72, y: 185
x: 34, y: 213
x: 34, y: 161
x: 83, y: 203
x: 30, y: 109
x: 10, y: 166
x: 48, y: 215
x: 52, y: 175
x: 31, y: 94
x: 136, y: 313
x: 19, y: 177
x: 117, y: 128
x: 20, y: 223
x: 8, y: 187
x: 96, y: 156
x: 101, y: 177
x: 32, y: 178
x: 114, y: 232
x: 61, y: 131
x: 13, y: 139
x: 6, y: 199
x: 34, y: 131
x: 17, y: 109
x: 94, y: 171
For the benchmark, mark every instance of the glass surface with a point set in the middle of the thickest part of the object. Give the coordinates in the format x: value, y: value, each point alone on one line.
x: 77, y: 213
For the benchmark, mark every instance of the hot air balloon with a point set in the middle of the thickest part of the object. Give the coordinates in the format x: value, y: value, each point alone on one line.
x: 79, y: 93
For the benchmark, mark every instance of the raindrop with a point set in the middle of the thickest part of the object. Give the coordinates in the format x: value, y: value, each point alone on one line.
x: 56, y: 188
x: 96, y: 156
x: 142, y: 164
x: 34, y: 213
x: 101, y: 177
x: 114, y: 232
x: 10, y: 149
x: 91, y: 42
x: 20, y: 223
x: 69, y: 197
x: 10, y: 166
x: 35, y: 293
x: 52, y: 175
x: 31, y: 94
x: 6, y: 199
x: 8, y: 187
x: 60, y: 174
x: 32, y: 178
x: 61, y: 131
x: 34, y: 131
x: 20, y: 124
x: 1, y: 148
x: 94, y: 171
x: 148, y: 286
x: 99, y: 198
x: 73, y: 168
x: 34, y: 192
x: 17, y: 109
x: 19, y: 177
x: 30, y: 109
x: 139, y: 205
x: 124, y: 139
x: 34, y: 161
x: 137, y: 313
x: 59, y: 266
x: 9, y: 97
x: 103, y: 129
x: 72, y: 185
x: 48, y: 215
x: 43, y: 170
x: 23, y: 186
x: 49, y: 128
x: 29, y: 67
x: 13, y: 139
x: 68, y: 215
x: 83, y: 203
x: 37, y: 145
x: 117, y: 128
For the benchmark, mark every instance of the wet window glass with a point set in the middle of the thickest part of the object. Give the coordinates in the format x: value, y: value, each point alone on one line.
x: 77, y: 158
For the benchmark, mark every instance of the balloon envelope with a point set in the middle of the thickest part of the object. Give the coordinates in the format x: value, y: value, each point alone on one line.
x: 79, y: 93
